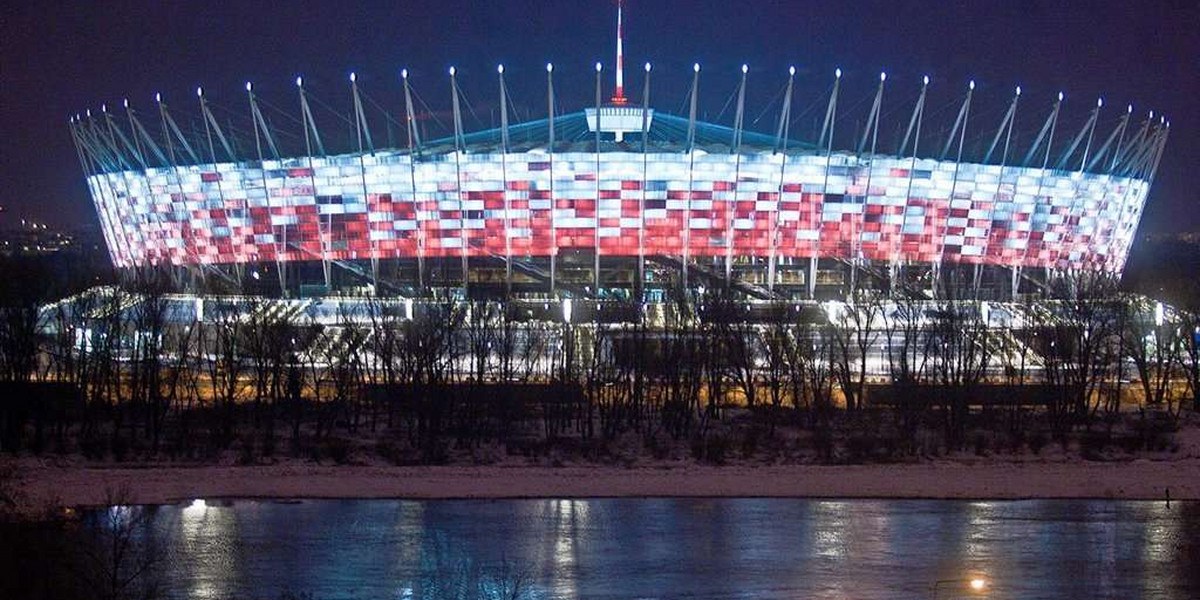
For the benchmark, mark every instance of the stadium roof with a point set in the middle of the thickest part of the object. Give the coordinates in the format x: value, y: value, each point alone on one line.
x: 667, y: 133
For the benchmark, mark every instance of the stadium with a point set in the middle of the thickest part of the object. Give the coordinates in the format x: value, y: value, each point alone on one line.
x: 616, y: 200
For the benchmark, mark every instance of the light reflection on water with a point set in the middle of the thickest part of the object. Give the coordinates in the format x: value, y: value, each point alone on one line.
x: 681, y: 548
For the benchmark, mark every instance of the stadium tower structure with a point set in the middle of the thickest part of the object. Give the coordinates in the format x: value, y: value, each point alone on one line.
x: 615, y: 200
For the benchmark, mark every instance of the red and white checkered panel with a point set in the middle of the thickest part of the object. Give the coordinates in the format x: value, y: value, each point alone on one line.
x: 535, y: 204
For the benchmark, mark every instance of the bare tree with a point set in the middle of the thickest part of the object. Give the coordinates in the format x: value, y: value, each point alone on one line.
x: 959, y: 353
x: 222, y: 343
x: 1154, y: 344
x: 1190, y: 357
x: 853, y: 335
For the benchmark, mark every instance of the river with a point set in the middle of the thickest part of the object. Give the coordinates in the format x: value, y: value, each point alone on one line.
x: 679, y: 548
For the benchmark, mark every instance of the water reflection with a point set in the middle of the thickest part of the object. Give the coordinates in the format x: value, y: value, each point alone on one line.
x: 681, y: 548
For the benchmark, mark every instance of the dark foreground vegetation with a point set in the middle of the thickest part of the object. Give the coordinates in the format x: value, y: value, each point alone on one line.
x: 110, y: 376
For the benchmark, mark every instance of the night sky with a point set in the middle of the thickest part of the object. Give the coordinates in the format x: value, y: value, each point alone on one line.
x: 58, y: 59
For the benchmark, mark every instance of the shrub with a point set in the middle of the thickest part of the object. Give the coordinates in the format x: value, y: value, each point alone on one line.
x: 660, y: 446
x: 246, y: 450
x: 120, y: 448
x: 983, y: 443
x: 1037, y: 441
x: 336, y: 448
x: 93, y: 447
x: 750, y: 441
x: 860, y: 447
x: 710, y: 449
x: 1092, y: 445
x: 823, y: 444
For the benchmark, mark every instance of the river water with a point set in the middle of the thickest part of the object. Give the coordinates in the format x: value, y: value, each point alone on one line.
x: 679, y: 548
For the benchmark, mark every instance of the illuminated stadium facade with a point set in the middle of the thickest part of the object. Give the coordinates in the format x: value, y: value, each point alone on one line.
x: 619, y: 198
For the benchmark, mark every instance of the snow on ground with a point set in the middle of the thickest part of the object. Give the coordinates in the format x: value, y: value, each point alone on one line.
x: 44, y: 484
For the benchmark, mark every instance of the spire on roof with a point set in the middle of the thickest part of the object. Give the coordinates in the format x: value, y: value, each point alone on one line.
x: 619, y: 95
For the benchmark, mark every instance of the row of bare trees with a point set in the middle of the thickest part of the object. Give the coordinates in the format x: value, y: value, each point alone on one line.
x: 121, y: 368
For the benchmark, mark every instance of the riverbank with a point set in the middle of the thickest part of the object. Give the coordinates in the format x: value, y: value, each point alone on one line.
x: 41, y: 484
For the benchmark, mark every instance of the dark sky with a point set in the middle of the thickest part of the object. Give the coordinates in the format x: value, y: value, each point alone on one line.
x: 58, y: 59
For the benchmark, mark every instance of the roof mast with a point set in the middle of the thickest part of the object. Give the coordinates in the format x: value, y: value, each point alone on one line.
x: 618, y: 116
x: 619, y: 94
